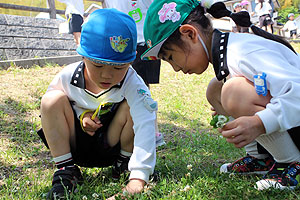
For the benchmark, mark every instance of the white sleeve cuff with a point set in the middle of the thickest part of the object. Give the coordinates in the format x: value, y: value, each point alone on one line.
x: 269, y: 120
x: 140, y: 174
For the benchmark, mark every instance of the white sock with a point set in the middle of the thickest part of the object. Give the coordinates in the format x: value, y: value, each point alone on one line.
x: 64, y: 160
x: 252, y: 150
x: 125, y: 153
x: 281, y: 146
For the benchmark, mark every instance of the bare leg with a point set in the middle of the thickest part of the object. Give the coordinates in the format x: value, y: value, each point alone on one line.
x: 77, y: 37
x: 121, y: 129
x: 239, y: 98
x: 213, y: 95
x: 58, y: 122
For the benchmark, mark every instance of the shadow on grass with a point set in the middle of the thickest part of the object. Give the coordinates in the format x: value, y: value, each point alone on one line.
x: 194, y: 145
x: 197, y: 146
x: 20, y: 145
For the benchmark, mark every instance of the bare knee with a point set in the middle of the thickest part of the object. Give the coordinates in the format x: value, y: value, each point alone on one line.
x: 121, y: 128
x: 124, y: 112
x: 239, y: 98
x: 52, y: 100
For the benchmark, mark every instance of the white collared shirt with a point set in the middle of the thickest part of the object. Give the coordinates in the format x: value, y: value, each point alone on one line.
x: 248, y: 55
x: 71, y: 81
x: 137, y: 9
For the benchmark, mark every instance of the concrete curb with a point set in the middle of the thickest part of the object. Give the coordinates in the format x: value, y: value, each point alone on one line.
x: 27, y: 63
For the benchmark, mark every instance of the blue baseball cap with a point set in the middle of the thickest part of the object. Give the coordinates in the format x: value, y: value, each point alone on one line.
x: 291, y: 14
x: 236, y: 5
x: 109, y: 37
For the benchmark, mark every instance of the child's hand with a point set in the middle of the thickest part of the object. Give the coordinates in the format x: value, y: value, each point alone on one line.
x: 89, y: 125
x: 214, y: 112
x: 243, y: 130
x: 134, y: 186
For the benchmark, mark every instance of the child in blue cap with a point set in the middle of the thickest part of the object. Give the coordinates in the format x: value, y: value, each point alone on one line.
x: 257, y: 82
x: 99, y: 112
x: 291, y: 26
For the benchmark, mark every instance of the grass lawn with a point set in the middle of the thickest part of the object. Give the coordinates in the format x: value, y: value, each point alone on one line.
x: 26, y: 167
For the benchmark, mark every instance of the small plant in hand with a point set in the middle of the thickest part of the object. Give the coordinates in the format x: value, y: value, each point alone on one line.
x: 218, y: 121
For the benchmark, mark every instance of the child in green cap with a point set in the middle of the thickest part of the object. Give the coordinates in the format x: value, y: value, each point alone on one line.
x: 257, y: 82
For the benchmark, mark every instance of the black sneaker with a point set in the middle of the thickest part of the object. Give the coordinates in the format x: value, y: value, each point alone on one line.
x: 281, y: 176
x: 120, y: 166
x: 65, y: 182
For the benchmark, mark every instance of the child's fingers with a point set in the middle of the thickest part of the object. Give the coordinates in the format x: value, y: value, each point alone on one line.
x: 97, y: 120
x: 91, y: 133
x: 214, y: 113
x: 231, y: 133
x: 91, y: 123
x: 229, y: 125
x: 241, y: 144
x: 236, y: 139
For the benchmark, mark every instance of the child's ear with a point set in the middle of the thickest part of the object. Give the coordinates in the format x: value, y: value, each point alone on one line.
x: 189, y: 31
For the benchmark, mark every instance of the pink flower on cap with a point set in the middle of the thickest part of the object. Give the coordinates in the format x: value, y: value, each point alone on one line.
x: 168, y: 12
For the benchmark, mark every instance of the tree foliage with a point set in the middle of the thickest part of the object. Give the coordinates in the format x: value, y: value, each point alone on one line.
x: 283, y: 14
x: 288, y: 3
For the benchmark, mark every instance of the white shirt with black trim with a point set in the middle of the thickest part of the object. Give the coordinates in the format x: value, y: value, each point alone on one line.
x: 137, y: 9
x: 249, y: 55
x: 71, y: 81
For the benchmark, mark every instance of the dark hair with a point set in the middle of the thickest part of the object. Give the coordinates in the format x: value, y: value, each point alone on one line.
x: 219, y: 10
x: 261, y: 3
x: 196, y: 17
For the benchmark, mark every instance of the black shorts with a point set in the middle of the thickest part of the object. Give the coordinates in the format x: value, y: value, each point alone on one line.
x: 293, y: 32
x: 149, y: 70
x: 265, y: 20
x: 75, y: 23
x: 93, y: 151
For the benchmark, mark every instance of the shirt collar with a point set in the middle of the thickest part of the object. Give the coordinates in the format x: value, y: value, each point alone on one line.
x: 219, y: 54
x: 78, y: 78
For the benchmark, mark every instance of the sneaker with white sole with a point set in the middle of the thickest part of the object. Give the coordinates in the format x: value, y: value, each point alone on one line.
x: 281, y: 176
x: 159, y: 138
x: 248, y: 165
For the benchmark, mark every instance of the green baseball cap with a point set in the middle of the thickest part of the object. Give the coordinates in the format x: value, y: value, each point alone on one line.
x: 163, y: 18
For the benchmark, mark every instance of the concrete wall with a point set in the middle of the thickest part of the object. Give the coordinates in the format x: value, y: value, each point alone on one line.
x: 26, y: 37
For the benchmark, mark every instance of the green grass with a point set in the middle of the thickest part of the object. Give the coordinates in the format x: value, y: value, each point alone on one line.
x: 26, y: 167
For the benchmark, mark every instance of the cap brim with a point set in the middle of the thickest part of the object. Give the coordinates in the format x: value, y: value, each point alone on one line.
x: 83, y: 53
x: 153, y: 51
